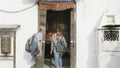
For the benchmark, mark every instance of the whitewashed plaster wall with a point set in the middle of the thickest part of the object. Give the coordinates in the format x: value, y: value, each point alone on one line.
x: 89, y: 16
x: 28, y: 21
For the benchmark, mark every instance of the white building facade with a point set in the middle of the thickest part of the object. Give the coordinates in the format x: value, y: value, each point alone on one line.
x: 89, y: 14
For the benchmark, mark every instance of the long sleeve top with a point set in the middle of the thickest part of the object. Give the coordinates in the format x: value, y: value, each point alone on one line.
x: 54, y: 42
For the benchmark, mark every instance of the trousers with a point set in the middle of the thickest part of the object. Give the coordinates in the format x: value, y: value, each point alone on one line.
x: 38, y: 62
x: 58, y: 60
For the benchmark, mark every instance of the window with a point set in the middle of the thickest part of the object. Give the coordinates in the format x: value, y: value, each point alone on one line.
x: 6, y: 43
x: 111, y: 35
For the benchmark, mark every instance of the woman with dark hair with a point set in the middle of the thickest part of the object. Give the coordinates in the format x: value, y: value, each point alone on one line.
x: 57, y: 56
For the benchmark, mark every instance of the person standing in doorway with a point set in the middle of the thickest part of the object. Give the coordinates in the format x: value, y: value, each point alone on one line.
x: 57, y: 56
x: 38, y: 39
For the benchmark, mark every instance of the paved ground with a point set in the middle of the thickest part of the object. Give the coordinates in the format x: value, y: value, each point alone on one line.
x: 49, y: 63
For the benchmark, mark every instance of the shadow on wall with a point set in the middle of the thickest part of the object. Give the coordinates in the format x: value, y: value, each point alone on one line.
x: 92, y: 57
x: 114, y: 60
x: 27, y: 56
x: 29, y: 1
x: 92, y: 41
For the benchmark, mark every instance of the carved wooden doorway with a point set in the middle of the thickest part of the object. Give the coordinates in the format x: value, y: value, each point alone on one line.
x: 65, y: 19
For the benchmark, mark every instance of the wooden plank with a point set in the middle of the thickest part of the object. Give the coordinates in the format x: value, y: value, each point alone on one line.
x: 72, y: 40
x: 42, y: 21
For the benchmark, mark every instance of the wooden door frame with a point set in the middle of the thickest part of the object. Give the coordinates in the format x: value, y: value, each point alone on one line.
x: 42, y: 15
x: 73, y: 39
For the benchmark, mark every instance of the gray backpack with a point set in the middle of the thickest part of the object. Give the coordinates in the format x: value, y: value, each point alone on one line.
x: 31, y: 46
x: 60, y: 46
x: 28, y: 45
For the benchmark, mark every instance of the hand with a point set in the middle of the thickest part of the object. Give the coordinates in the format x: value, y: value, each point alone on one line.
x: 50, y: 52
x: 40, y: 55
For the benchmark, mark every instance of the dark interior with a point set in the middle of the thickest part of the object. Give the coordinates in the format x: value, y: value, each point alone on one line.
x: 55, y: 19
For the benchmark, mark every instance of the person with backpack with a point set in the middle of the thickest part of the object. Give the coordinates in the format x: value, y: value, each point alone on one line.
x: 36, y: 50
x: 58, y: 47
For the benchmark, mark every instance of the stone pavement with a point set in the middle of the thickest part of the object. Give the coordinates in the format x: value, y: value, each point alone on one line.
x: 49, y: 63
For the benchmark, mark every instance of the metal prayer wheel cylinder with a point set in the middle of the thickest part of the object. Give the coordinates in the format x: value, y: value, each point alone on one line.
x: 5, y: 44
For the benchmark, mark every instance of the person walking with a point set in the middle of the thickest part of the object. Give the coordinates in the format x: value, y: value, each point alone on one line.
x: 57, y: 56
x: 38, y: 58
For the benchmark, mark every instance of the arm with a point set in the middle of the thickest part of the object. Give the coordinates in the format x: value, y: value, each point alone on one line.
x: 65, y: 42
x: 52, y: 44
x: 51, y: 47
x: 39, y: 44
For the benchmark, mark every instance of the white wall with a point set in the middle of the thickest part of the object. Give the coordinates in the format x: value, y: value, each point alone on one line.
x: 27, y: 20
x: 89, y: 15
x: 88, y: 18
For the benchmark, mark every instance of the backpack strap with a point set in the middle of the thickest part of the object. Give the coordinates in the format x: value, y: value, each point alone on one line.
x: 57, y: 39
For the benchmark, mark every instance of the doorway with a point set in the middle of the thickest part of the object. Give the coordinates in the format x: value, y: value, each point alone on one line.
x: 57, y: 19
x: 64, y: 19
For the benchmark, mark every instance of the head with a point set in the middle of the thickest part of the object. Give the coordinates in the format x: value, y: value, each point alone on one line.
x: 58, y: 32
x: 42, y: 29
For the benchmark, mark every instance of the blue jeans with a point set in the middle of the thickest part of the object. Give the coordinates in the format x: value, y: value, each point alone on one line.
x: 58, y: 60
